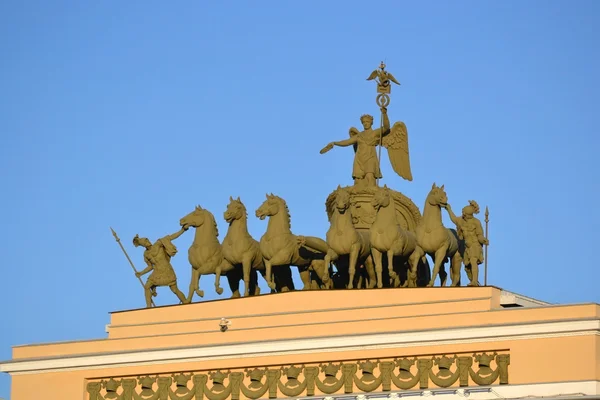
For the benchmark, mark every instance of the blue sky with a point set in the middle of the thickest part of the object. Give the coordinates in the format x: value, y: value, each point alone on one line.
x: 128, y: 114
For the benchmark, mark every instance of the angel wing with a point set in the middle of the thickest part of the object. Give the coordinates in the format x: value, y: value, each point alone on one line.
x: 353, y: 132
x: 396, y: 142
x: 391, y: 78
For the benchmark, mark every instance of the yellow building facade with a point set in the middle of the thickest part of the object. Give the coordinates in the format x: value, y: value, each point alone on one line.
x: 447, y: 342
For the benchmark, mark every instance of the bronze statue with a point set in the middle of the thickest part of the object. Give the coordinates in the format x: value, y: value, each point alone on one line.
x: 280, y: 247
x: 438, y: 241
x: 158, y: 258
x: 239, y: 248
x: 344, y: 239
x: 470, y: 230
x: 383, y: 79
x: 366, y: 169
x: 387, y: 236
x: 135, y: 270
x: 366, y: 222
x: 206, y: 254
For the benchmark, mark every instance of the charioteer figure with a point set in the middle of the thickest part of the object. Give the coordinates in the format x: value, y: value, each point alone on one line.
x: 366, y: 169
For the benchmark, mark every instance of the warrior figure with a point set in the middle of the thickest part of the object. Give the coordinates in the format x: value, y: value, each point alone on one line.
x: 158, y: 257
x: 470, y: 231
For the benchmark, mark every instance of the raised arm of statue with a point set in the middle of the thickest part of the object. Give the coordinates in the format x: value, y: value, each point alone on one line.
x: 457, y: 221
x: 386, y: 121
x: 347, y: 142
x: 177, y: 234
x: 341, y: 143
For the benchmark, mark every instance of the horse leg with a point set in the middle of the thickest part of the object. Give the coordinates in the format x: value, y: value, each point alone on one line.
x: 454, y: 272
x: 194, y: 285
x: 178, y: 293
x: 233, y: 278
x: 418, y: 257
x: 360, y: 282
x: 396, y: 282
x: 264, y: 275
x: 443, y: 274
x: 305, y: 277
x: 411, y: 276
x: 370, y: 272
x: 412, y: 272
x: 353, y: 258
x: 391, y: 272
x: 254, y: 288
x: 455, y: 263
x: 329, y: 284
x: 440, y: 256
x: 313, y: 275
x: 423, y: 271
x: 377, y: 259
x: 218, y: 287
x: 320, y: 268
x: 315, y: 278
x: 329, y: 257
x: 393, y: 275
x: 246, y: 267
x: 269, y: 274
x: 285, y: 278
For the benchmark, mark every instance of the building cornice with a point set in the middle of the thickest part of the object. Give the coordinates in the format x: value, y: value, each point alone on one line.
x: 305, y: 346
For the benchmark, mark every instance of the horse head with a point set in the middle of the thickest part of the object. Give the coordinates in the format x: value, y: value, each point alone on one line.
x: 271, y: 206
x: 342, y: 199
x: 437, y: 196
x: 198, y: 218
x: 381, y: 198
x: 235, y: 210
x: 194, y: 219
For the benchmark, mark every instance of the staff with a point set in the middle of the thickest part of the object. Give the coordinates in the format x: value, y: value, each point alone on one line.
x: 129, y: 259
x: 384, y: 89
x: 487, y: 219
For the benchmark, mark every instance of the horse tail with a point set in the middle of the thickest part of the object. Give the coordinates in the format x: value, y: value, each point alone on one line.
x: 315, y: 244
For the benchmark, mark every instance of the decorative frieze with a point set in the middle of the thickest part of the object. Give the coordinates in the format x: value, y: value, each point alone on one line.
x: 360, y: 376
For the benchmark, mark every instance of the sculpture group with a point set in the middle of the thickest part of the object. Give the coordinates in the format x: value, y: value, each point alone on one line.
x: 377, y: 236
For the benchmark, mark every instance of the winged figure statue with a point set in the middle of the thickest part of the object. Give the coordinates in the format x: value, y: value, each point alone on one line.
x: 366, y: 169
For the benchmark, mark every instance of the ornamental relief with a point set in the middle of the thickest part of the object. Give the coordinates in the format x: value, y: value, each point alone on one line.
x: 360, y: 376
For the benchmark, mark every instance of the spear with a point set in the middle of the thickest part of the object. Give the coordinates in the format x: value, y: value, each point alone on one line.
x: 129, y: 259
x: 383, y: 79
x: 487, y: 220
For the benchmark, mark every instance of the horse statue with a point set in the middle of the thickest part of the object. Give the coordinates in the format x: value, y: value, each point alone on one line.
x: 206, y: 254
x: 240, y: 249
x: 438, y: 241
x: 387, y: 236
x: 280, y: 247
x: 344, y: 240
